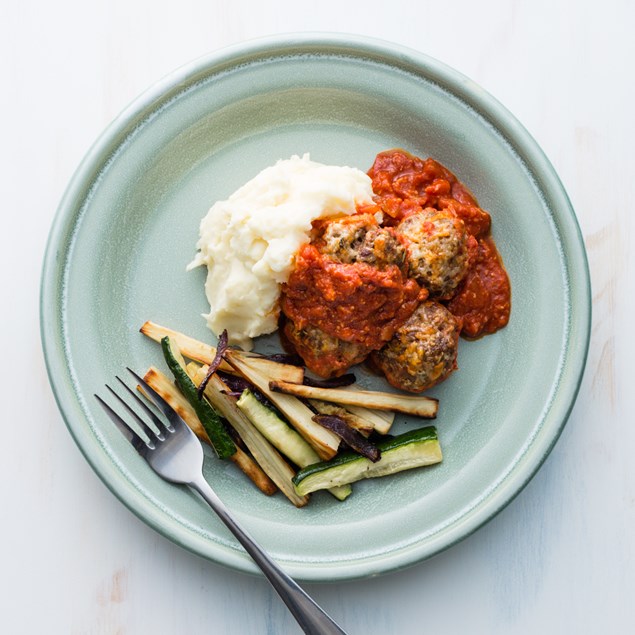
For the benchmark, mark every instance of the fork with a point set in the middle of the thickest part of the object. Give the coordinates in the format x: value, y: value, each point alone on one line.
x: 174, y: 452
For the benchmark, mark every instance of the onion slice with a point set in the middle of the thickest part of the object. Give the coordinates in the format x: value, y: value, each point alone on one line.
x: 221, y: 347
x: 334, y: 382
x: 352, y: 438
x: 285, y: 358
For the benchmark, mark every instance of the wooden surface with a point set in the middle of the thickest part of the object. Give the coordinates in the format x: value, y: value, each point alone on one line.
x: 559, y: 559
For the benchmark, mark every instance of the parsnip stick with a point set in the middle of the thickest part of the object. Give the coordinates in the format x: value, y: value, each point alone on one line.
x: 204, y: 353
x: 329, y: 408
x: 157, y: 380
x: 166, y: 388
x: 381, y: 420
x: 299, y: 416
x: 373, y: 418
x: 263, y: 452
x: 425, y: 407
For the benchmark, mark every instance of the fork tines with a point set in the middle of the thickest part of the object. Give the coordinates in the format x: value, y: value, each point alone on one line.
x: 129, y: 433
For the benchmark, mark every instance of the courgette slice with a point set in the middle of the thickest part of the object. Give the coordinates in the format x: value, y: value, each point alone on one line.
x: 283, y: 437
x: 221, y: 441
x: 166, y: 388
x: 300, y: 416
x: 263, y: 452
x: 276, y: 431
x: 415, y: 448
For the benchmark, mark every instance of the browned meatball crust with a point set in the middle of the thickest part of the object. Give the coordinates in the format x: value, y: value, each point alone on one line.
x: 359, y: 238
x: 437, y: 244
x: 423, y: 351
x: 323, y: 354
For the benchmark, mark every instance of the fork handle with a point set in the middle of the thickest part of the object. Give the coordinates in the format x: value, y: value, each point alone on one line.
x: 311, y: 618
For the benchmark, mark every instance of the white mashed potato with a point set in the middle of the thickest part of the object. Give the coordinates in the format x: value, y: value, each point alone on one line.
x: 248, y: 242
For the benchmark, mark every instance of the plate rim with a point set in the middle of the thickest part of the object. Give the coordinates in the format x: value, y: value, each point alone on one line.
x: 574, y: 256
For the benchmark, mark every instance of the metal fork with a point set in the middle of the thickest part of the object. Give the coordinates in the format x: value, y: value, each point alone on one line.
x: 174, y: 453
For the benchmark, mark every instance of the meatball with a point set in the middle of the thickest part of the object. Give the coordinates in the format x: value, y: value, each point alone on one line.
x: 323, y: 354
x: 359, y: 238
x: 437, y: 244
x: 423, y: 351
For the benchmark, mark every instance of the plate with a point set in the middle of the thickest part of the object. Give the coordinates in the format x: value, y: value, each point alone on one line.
x: 127, y: 227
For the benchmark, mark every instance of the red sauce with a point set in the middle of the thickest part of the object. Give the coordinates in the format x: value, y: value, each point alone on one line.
x: 405, y: 184
x: 482, y: 301
x: 477, y: 221
x: 353, y: 302
x: 363, y: 305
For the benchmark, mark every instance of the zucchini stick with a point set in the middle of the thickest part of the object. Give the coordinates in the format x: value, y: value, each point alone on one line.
x: 299, y: 416
x: 221, y: 441
x: 204, y: 353
x: 283, y: 437
x: 166, y: 388
x: 416, y: 448
x: 263, y: 452
x: 425, y: 407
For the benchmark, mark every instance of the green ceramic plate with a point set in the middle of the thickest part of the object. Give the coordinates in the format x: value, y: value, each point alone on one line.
x: 127, y: 227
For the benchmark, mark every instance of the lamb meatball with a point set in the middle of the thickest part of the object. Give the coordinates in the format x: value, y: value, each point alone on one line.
x: 437, y: 244
x: 323, y: 354
x: 423, y: 351
x: 359, y: 238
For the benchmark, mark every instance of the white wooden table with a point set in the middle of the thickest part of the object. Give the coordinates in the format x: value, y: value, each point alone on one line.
x: 559, y: 559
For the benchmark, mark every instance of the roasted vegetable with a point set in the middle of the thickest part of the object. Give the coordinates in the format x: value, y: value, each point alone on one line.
x: 221, y: 441
x: 333, y: 382
x: 238, y: 384
x: 416, y: 448
x: 204, y: 353
x: 243, y: 400
x: 285, y: 358
x: 283, y: 437
x: 166, y: 388
x: 215, y: 363
x: 425, y: 407
x: 263, y: 452
x: 379, y: 420
x: 284, y: 372
x: 353, y: 439
x: 323, y: 441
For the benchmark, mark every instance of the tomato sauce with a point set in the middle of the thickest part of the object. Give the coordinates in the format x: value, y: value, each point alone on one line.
x: 482, y: 301
x: 363, y: 305
x: 405, y: 184
x: 352, y: 302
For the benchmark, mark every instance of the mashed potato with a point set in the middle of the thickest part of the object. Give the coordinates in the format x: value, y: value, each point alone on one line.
x: 248, y: 242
